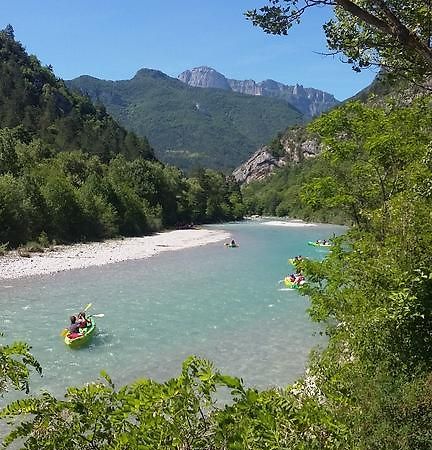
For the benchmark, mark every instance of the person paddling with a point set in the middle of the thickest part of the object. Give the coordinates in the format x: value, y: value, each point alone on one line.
x: 74, y: 327
x: 82, y: 320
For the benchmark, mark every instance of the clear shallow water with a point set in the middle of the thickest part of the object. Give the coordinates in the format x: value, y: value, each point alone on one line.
x: 219, y: 303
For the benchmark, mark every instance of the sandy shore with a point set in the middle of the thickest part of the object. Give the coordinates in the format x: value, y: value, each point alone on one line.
x: 79, y: 256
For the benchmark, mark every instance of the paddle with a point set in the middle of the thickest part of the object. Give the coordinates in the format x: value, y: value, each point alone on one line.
x: 97, y: 315
x: 64, y: 332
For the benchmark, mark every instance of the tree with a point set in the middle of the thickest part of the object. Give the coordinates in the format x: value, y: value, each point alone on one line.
x: 9, y: 32
x: 368, y: 152
x: 392, y: 34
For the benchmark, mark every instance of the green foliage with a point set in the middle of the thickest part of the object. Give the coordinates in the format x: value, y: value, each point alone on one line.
x: 71, y: 196
x: 373, y: 291
x: 179, y: 413
x: 191, y: 127
x: 393, y: 34
x: 68, y: 172
x: 15, y: 364
x: 281, y: 195
x: 33, y: 98
x: 369, y: 151
x: 43, y: 240
x: 3, y: 248
x: 276, y: 148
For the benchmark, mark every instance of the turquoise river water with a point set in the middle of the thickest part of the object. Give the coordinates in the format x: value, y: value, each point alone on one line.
x: 219, y: 303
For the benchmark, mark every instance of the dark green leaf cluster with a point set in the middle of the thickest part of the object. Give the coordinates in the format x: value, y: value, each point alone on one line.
x: 186, y: 412
x: 281, y: 195
x: 373, y: 292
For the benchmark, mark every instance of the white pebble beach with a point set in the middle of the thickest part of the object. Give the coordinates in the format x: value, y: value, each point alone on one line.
x: 79, y: 256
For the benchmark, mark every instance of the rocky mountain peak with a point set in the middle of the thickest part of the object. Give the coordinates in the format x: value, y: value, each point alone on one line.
x: 311, y: 102
x: 204, y: 77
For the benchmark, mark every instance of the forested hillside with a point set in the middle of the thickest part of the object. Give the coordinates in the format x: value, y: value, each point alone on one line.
x: 187, y: 126
x: 32, y: 98
x: 69, y: 172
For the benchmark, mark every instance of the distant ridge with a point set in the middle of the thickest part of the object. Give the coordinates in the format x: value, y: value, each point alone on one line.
x: 311, y: 102
x: 187, y: 126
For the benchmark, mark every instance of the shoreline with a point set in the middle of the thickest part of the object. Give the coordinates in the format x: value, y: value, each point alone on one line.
x: 81, y: 256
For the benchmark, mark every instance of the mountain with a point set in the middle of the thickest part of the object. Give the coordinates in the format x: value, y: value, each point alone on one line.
x: 311, y: 102
x: 297, y: 145
x: 32, y: 97
x: 294, y: 146
x: 69, y: 172
x: 188, y: 126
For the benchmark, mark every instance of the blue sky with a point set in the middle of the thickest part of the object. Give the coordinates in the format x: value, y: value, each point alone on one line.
x: 112, y: 39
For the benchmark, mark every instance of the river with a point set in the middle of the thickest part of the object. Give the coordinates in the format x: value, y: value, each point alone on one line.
x: 223, y: 304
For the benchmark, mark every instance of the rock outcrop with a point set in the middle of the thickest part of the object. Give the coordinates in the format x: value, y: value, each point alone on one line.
x: 258, y: 166
x: 311, y: 102
x: 204, y: 77
x: 295, y: 146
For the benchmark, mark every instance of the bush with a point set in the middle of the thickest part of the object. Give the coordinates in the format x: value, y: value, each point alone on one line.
x: 34, y: 247
x: 3, y: 248
x: 43, y: 240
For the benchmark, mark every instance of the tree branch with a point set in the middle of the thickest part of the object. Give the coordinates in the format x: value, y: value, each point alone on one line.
x: 393, y: 27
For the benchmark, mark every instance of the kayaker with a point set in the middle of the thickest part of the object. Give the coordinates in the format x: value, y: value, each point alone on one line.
x: 73, y: 328
x: 233, y: 243
x: 82, y: 321
x: 299, y: 279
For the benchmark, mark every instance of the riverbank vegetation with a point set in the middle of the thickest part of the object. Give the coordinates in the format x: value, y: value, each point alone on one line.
x: 372, y: 386
x: 69, y: 172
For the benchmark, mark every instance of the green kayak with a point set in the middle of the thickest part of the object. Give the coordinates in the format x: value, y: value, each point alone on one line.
x: 291, y: 284
x: 78, y: 339
x: 320, y: 244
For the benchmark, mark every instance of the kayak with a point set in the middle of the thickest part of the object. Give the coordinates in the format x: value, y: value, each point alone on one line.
x: 320, y: 244
x: 78, y: 339
x: 231, y: 245
x: 291, y: 284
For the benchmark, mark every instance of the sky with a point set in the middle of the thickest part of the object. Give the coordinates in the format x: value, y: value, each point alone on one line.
x: 113, y: 39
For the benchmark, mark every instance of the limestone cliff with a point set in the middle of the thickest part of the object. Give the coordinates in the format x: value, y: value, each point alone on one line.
x: 258, y: 166
x: 204, y: 77
x: 311, y: 102
x: 294, y: 146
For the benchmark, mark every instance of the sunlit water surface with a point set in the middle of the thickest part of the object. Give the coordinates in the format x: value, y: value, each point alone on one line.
x: 223, y: 304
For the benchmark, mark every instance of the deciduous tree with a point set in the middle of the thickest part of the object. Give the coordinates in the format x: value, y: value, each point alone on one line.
x: 393, y: 34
